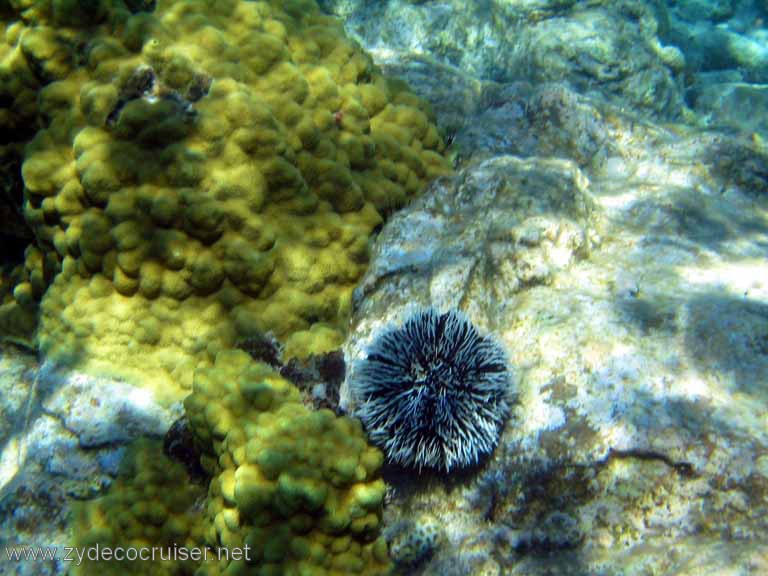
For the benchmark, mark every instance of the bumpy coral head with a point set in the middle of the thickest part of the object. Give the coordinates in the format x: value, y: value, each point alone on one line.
x: 433, y: 392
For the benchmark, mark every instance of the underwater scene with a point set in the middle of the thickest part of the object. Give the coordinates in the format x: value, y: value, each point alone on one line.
x: 384, y: 287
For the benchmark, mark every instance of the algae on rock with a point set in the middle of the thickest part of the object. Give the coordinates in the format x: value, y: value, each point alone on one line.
x: 611, y: 50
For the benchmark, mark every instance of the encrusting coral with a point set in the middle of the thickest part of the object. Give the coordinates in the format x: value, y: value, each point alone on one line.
x: 208, y: 171
x: 292, y: 491
x: 21, y: 287
x: 151, y: 507
x: 301, y: 488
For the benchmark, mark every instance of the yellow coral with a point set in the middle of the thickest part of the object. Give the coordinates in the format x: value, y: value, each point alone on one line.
x: 211, y: 171
x: 151, y: 510
x: 292, y: 491
x: 300, y: 488
x: 20, y: 289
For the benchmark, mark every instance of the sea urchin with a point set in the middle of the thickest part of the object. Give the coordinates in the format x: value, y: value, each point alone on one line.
x: 433, y: 393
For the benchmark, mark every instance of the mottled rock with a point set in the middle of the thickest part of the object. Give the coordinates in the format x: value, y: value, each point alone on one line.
x: 548, y: 120
x: 632, y: 299
x: 101, y: 411
x: 498, y: 228
x: 61, y: 439
x: 738, y: 105
x: 611, y: 50
x: 414, y: 541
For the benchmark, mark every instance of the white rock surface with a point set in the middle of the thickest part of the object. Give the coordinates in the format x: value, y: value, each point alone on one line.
x: 632, y: 298
x: 62, y: 440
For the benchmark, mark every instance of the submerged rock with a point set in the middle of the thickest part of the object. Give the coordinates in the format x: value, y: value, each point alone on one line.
x: 721, y: 35
x: 650, y: 56
x: 735, y: 104
x: 611, y: 50
x: 62, y: 437
x: 502, y: 226
x: 632, y: 299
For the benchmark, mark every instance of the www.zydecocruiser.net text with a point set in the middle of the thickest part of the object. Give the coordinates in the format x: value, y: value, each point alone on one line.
x: 98, y: 553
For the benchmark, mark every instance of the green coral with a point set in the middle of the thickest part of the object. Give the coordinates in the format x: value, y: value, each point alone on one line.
x: 151, y: 505
x: 294, y: 490
x: 209, y: 171
x: 21, y: 287
x: 300, y: 488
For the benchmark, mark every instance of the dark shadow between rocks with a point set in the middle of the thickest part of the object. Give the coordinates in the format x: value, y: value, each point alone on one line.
x: 15, y: 235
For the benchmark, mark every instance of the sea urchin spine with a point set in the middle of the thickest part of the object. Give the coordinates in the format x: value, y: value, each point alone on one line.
x: 433, y: 393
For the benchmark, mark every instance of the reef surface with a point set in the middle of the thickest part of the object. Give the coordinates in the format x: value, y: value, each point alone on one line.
x: 606, y: 221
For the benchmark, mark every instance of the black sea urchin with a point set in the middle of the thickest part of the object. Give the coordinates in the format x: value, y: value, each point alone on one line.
x: 433, y: 393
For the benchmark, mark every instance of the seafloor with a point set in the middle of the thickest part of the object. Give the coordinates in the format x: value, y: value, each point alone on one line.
x: 607, y: 221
